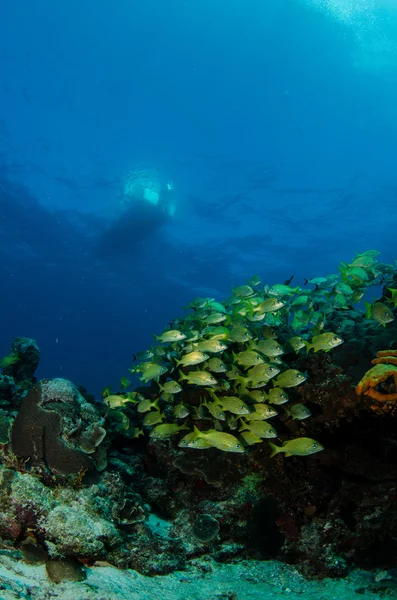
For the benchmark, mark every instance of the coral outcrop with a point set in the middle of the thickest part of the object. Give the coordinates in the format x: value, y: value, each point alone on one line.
x: 56, y: 428
x: 132, y: 482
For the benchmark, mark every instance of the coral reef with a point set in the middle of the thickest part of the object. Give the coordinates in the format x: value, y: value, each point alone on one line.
x: 181, y: 466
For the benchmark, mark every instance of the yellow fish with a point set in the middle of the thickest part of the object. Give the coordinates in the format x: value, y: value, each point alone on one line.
x: 166, y: 430
x: 269, y: 347
x: 262, y: 372
x: 324, y: 341
x: 277, y: 396
x: 289, y: 378
x: 269, y: 305
x: 248, y: 358
x: 243, y: 291
x: 298, y: 447
x: 262, y: 429
x: 152, y: 418
x: 192, y: 358
x: 216, y: 365
x: 240, y: 334
x: 170, y: 387
x: 214, y: 409
x: 153, y: 371
x: 234, y: 405
x: 170, y: 336
x: 219, y: 439
x: 115, y: 401
x: 379, y: 312
x: 190, y: 440
x: 261, y: 413
x: 213, y: 318
x: 198, y: 378
x: 145, y: 405
x: 250, y: 438
x: 124, y: 383
x: 181, y: 411
x: 211, y: 346
x: 298, y: 412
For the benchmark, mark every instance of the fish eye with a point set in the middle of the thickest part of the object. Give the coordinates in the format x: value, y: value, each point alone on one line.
x: 315, y: 445
x: 238, y: 446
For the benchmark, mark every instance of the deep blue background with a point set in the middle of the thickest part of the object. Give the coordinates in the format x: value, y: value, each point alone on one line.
x: 275, y: 119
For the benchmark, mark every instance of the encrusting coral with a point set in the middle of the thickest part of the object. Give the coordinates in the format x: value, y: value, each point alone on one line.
x: 380, y: 382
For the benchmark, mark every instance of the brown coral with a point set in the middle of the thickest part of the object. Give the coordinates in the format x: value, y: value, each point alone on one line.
x: 380, y: 382
x: 35, y: 435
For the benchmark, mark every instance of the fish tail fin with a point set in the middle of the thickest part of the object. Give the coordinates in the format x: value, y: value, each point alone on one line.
x: 367, y: 310
x: 197, y: 431
x: 308, y: 346
x: 306, y: 281
x: 156, y: 337
x: 250, y: 309
x: 182, y: 376
x: 275, y: 449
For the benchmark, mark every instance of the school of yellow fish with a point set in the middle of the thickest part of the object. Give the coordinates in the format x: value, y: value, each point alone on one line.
x: 217, y: 377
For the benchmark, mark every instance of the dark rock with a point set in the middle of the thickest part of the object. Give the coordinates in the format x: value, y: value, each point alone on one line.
x: 33, y: 553
x: 29, y: 357
x: 65, y: 569
x: 205, y: 528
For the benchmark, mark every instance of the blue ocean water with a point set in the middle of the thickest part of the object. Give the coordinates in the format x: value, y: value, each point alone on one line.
x: 274, y: 120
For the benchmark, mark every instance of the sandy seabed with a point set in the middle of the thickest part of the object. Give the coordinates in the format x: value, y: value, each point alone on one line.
x: 202, y: 580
